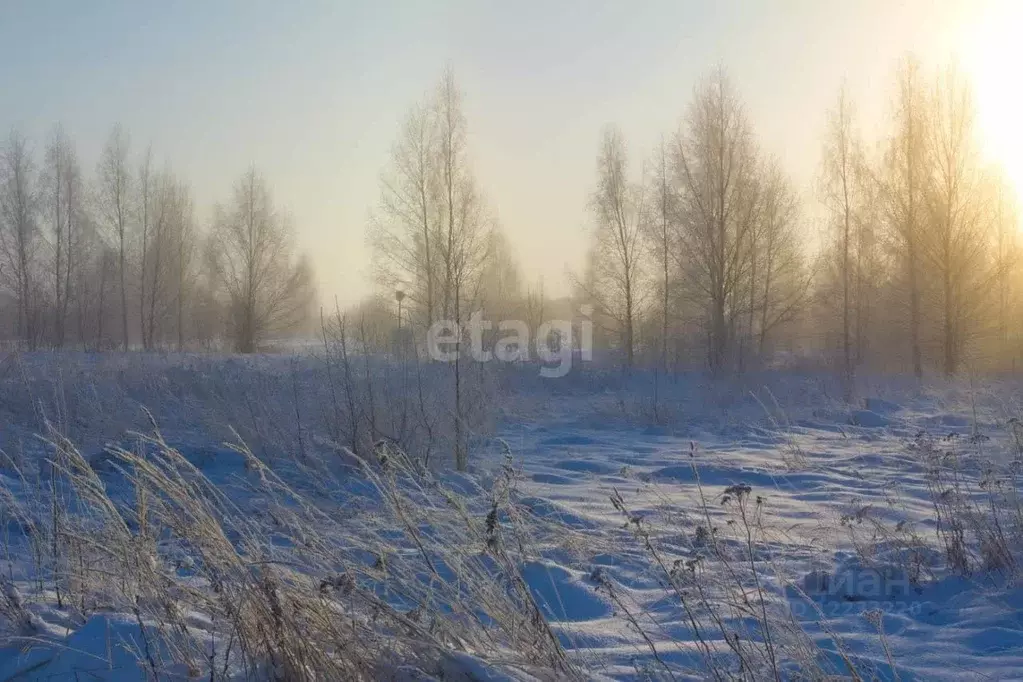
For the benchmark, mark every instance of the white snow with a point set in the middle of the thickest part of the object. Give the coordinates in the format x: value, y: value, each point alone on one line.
x: 822, y: 480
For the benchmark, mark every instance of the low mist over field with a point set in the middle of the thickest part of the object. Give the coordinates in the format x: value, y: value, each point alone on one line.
x: 533, y: 342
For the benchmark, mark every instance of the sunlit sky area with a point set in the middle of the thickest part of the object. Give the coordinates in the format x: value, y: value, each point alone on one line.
x: 313, y: 92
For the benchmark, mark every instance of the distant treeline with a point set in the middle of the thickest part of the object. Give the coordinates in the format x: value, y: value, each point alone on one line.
x: 117, y: 259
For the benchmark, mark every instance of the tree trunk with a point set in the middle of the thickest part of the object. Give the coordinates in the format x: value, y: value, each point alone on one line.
x: 847, y: 377
x: 949, y: 313
x: 124, y: 297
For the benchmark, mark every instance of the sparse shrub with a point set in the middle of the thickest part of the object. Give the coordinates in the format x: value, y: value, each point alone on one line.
x: 975, y: 497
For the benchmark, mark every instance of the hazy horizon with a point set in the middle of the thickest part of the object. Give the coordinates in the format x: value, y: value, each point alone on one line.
x: 314, y: 95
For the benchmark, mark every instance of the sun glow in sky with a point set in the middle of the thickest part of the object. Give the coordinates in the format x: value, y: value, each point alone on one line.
x: 993, y: 55
x: 314, y: 93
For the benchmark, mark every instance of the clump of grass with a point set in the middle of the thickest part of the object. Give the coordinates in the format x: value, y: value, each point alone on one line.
x: 288, y: 586
x: 977, y: 506
x: 723, y: 577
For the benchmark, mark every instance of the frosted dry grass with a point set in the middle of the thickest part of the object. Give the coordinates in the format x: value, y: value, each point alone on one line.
x: 284, y: 586
x: 285, y: 407
x: 300, y: 559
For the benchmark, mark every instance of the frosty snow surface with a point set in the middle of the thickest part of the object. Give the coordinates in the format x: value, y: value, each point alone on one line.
x: 627, y: 526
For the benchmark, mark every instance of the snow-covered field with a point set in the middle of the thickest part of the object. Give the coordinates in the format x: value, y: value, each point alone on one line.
x: 753, y: 529
x: 823, y: 482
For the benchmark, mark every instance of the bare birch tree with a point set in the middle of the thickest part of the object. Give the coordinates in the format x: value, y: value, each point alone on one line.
x: 715, y: 169
x: 467, y: 232
x: 268, y: 289
x: 960, y: 232
x: 159, y: 220
x: 618, y: 212
x: 404, y: 230
x: 19, y: 232
x: 784, y: 281
x: 183, y: 236
x: 62, y: 204
x: 433, y: 236
x: 1006, y: 218
x: 903, y: 180
x: 145, y: 206
x: 659, y: 229
x: 839, y: 185
x: 115, y: 183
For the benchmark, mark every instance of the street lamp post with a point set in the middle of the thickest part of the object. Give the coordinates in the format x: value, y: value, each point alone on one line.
x: 399, y: 296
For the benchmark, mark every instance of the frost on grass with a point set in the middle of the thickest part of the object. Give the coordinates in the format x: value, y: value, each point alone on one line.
x: 236, y: 530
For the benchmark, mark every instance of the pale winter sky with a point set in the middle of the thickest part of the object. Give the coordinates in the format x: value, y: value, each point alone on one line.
x: 313, y: 92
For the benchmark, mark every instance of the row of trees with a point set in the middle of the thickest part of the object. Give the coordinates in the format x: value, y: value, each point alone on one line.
x: 704, y: 258
x: 904, y: 260
x: 700, y: 258
x: 119, y: 259
x: 924, y: 235
x: 708, y: 257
